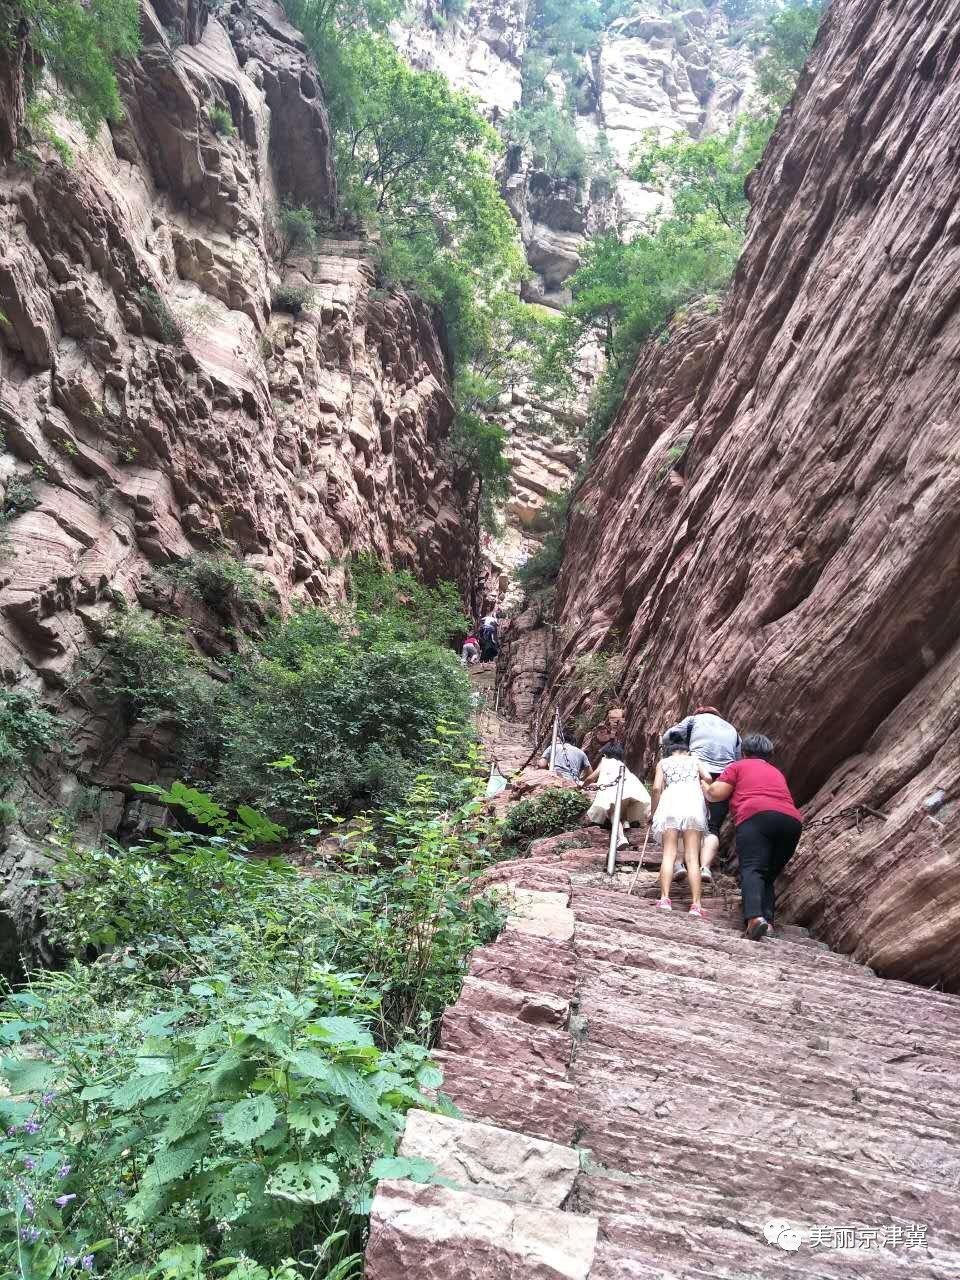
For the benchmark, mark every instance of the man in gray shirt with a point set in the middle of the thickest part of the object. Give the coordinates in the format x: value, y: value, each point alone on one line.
x: 570, y: 761
x: 716, y: 742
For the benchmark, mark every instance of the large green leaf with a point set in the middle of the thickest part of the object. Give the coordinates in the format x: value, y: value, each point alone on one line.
x: 311, y: 1118
x: 341, y: 1031
x: 141, y: 1089
x: 303, y: 1183
x: 342, y: 1082
x: 250, y: 1119
x: 27, y: 1075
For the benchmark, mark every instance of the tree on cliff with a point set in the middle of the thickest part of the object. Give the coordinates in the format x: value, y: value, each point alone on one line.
x: 77, y: 44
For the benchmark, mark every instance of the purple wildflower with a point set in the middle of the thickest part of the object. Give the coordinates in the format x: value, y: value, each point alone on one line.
x: 14, y: 1129
x: 29, y: 1235
x: 69, y: 1259
x: 87, y: 1262
x: 28, y: 1208
x: 47, y: 1099
x: 31, y: 1126
x: 62, y: 1200
x: 63, y: 1172
x: 29, y: 1163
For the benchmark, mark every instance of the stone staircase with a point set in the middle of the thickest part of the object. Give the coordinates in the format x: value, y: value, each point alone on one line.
x: 646, y: 1096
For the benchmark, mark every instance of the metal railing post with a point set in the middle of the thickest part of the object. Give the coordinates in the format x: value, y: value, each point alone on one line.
x: 615, y: 823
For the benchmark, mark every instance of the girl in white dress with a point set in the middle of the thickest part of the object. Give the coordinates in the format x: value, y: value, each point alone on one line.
x: 635, y: 805
x: 678, y: 806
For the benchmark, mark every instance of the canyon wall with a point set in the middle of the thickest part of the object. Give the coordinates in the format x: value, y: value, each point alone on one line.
x: 772, y: 524
x: 152, y: 401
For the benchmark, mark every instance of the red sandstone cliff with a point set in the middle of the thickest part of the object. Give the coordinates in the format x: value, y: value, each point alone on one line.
x: 799, y: 567
x: 290, y: 442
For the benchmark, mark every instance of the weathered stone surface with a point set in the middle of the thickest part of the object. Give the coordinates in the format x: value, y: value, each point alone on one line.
x: 495, y: 1035
x: 529, y: 964
x: 486, y: 1160
x: 504, y: 1094
x: 434, y: 1233
x: 796, y: 567
x: 291, y: 442
x: 539, y: 1008
x: 541, y: 913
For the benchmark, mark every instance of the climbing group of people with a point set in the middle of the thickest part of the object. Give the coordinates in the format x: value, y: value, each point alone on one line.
x: 705, y: 770
x: 482, y: 644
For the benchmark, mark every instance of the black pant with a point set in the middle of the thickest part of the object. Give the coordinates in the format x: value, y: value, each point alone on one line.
x: 765, y: 844
x: 717, y: 811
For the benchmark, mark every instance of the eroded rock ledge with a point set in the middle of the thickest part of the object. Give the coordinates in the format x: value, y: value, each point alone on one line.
x: 773, y: 524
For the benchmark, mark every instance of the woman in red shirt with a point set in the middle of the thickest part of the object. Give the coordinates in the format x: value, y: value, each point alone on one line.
x: 768, y: 826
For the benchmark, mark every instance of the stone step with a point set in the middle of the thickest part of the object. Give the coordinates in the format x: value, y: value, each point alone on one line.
x: 425, y: 1232
x: 506, y: 1095
x: 487, y: 1160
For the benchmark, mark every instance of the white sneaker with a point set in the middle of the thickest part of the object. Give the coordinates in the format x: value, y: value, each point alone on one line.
x: 706, y: 873
x: 679, y: 871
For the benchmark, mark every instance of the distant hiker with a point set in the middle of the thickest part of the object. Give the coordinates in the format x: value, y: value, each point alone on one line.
x: 570, y: 761
x: 716, y: 743
x: 635, y: 806
x: 489, y: 629
x: 470, y: 653
x: 768, y: 826
x: 678, y: 806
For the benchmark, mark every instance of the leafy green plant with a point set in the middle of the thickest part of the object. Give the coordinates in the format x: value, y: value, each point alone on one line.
x: 221, y: 121
x: 291, y: 230
x: 551, y: 136
x: 40, y: 109
x: 549, y: 814
x: 78, y: 44
x: 18, y: 496
x: 541, y: 568
x: 218, y: 579
x: 221, y: 1087
x: 164, y: 323
x: 27, y: 733
x: 291, y: 297
x: 150, y: 672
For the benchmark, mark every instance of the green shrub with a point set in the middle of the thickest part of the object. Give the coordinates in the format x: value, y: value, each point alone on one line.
x: 150, y: 672
x: 217, y: 579
x: 229, y: 1082
x: 549, y: 814
x: 18, y: 496
x: 540, y: 570
x: 291, y: 230
x: 221, y: 121
x: 552, y: 138
x: 291, y: 297
x: 165, y: 324
x: 395, y: 606
x: 361, y: 721
x: 27, y: 733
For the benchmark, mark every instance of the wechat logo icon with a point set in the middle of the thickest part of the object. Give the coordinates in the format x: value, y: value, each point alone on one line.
x: 780, y: 1233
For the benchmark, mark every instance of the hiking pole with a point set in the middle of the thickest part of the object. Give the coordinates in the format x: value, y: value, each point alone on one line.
x: 615, y: 823
x: 643, y: 854
x: 553, y: 741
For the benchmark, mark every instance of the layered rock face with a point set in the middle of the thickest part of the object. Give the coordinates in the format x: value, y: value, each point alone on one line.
x: 289, y: 441
x: 773, y: 523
